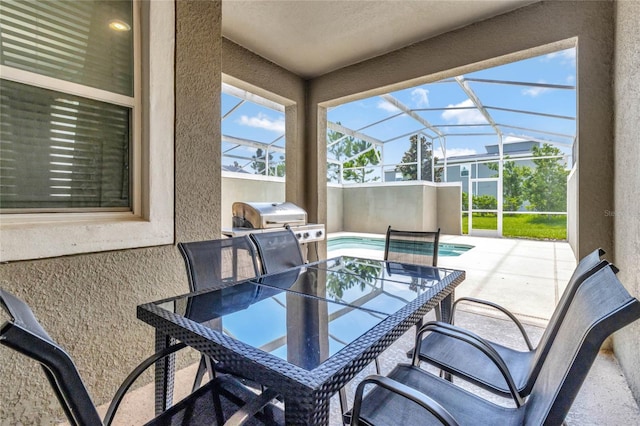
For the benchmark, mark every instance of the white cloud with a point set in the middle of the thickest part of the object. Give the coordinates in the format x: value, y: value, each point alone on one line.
x: 420, y: 96
x: 382, y: 104
x: 457, y: 152
x: 571, y: 79
x: 536, y: 91
x: 262, y: 121
x: 463, y: 116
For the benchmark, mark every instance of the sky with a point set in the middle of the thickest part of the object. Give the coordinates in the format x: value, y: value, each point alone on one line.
x: 255, y: 122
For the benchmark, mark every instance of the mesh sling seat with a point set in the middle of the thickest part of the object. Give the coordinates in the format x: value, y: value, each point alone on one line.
x: 278, y: 250
x: 414, y: 247
x: 209, y: 405
x: 411, y: 247
x: 214, y: 264
x: 218, y: 263
x: 462, y: 359
x: 410, y: 395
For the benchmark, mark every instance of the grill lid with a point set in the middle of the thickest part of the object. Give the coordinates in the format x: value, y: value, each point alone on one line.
x: 267, y: 215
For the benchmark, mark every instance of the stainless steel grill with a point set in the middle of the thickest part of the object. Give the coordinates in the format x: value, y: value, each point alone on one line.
x: 250, y: 217
x: 267, y: 215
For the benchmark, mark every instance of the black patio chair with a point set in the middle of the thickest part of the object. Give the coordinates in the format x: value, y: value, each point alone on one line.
x: 414, y: 247
x: 210, y: 404
x: 465, y: 360
x: 218, y: 263
x: 215, y: 264
x: 278, y: 250
x: 410, y: 395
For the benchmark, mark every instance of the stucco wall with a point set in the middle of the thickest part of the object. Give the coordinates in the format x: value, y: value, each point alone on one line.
x: 374, y: 208
x: 627, y: 179
x: 246, y: 189
x: 450, y: 208
x: 404, y: 205
x: 88, y: 302
x: 335, y: 209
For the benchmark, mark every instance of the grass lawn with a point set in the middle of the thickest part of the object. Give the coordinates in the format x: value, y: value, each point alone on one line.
x: 523, y: 225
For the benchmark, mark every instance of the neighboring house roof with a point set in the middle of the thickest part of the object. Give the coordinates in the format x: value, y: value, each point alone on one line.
x: 511, y: 149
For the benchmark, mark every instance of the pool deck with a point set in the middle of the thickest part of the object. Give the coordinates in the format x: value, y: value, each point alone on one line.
x: 526, y: 277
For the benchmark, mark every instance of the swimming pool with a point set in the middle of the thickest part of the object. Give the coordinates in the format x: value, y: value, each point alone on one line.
x: 370, y: 243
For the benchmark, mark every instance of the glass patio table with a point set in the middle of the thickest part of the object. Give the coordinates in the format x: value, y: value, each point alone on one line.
x: 303, y: 333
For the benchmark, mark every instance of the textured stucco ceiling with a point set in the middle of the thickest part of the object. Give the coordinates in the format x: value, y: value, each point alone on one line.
x: 311, y: 38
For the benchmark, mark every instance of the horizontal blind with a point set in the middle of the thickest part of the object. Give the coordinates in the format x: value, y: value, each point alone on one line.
x: 59, y: 151
x: 70, y: 40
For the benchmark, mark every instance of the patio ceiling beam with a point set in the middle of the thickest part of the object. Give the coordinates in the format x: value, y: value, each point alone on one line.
x: 243, y: 157
x: 476, y: 101
x: 522, y: 83
x: 544, y: 132
x: 402, y: 107
x: 462, y: 125
x: 251, y: 97
x: 454, y: 108
x: 380, y: 121
x: 534, y: 139
x: 251, y: 143
x: 406, y: 134
x: 235, y: 107
x: 469, y: 134
x: 540, y: 114
x: 353, y: 133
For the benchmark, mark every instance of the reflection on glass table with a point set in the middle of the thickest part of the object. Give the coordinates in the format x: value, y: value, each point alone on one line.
x: 418, y: 275
x: 302, y: 330
x: 375, y: 285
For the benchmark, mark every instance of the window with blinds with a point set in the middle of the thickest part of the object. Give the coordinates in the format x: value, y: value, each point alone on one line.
x: 66, y: 105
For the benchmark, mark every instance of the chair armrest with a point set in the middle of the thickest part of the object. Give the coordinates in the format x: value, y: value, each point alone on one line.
x: 405, y: 391
x: 499, y: 308
x: 124, y: 387
x: 477, y: 342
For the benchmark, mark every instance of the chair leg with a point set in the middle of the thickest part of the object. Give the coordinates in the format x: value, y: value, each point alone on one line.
x: 205, y: 366
x: 217, y: 404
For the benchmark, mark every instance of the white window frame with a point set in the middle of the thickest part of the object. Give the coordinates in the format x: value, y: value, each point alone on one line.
x: 151, y: 221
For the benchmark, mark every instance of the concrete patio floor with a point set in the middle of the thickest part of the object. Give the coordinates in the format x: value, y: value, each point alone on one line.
x: 528, y: 278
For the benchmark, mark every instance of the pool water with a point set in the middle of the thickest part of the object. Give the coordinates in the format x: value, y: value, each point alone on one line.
x: 368, y: 243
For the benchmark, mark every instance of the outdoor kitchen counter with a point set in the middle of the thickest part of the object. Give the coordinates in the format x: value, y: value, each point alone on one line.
x: 304, y: 332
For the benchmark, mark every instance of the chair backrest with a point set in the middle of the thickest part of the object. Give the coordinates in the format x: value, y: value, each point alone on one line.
x: 216, y: 263
x: 600, y: 307
x: 24, y: 334
x: 587, y: 266
x: 415, y: 247
x: 278, y: 250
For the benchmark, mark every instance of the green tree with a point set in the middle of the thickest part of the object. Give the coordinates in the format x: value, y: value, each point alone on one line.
x: 360, y: 273
x: 485, y: 202
x: 349, y: 147
x: 259, y: 164
x: 546, y: 187
x: 410, y: 171
x: 513, y: 179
